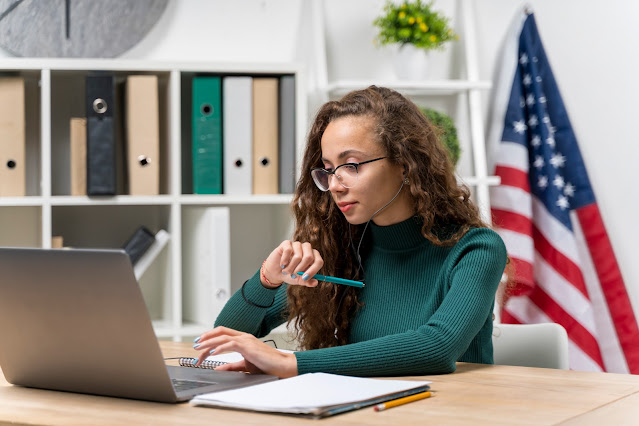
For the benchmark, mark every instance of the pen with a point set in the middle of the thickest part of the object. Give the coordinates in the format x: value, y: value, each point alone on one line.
x: 401, y: 401
x: 335, y: 280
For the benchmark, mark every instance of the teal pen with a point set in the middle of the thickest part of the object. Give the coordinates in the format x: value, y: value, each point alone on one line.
x: 336, y: 280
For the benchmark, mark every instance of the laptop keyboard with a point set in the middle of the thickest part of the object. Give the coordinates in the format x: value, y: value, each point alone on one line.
x: 183, y: 385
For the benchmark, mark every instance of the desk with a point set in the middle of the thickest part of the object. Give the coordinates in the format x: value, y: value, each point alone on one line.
x: 474, y: 394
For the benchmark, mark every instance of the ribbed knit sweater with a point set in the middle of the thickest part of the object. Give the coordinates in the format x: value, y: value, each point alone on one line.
x: 425, y: 307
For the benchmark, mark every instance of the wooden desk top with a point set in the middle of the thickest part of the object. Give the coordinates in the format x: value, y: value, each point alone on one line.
x: 475, y: 393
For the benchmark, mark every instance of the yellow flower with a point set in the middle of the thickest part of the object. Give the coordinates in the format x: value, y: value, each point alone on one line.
x: 411, y: 20
x: 419, y: 20
x: 433, y: 38
x: 402, y: 15
x: 423, y: 27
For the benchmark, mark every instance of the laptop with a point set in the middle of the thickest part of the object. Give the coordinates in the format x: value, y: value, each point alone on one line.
x: 75, y: 320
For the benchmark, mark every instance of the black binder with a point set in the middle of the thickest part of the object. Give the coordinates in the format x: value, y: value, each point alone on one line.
x: 101, y: 152
x: 139, y: 243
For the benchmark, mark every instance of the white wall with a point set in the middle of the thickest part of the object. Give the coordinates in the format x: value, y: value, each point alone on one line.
x: 591, y: 46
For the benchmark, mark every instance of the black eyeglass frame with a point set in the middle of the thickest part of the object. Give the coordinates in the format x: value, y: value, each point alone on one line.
x: 332, y: 172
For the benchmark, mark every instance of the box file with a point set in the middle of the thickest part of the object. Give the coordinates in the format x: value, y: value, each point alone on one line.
x: 238, y: 135
x: 142, y: 135
x: 207, y: 135
x: 12, y: 137
x: 265, y: 136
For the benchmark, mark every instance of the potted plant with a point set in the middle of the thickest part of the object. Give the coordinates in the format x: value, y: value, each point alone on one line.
x: 448, y: 134
x: 417, y: 29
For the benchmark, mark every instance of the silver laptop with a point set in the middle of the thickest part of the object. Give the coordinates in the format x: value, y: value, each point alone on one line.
x: 75, y: 320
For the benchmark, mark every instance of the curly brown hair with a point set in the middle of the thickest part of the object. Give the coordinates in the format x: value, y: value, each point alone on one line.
x: 321, y: 315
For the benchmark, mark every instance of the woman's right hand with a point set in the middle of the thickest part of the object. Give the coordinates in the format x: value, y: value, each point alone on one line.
x: 289, y: 258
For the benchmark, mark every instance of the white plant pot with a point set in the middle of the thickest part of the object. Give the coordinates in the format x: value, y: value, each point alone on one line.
x: 411, y: 63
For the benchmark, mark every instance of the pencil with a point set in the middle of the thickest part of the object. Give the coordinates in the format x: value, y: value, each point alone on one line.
x: 336, y: 280
x: 401, y: 401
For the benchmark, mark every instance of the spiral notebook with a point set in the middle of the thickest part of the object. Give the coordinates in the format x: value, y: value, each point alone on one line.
x: 213, y: 361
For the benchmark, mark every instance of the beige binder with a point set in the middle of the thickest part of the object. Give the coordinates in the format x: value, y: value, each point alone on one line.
x: 143, y: 134
x: 265, y: 136
x: 78, y: 137
x: 12, y: 137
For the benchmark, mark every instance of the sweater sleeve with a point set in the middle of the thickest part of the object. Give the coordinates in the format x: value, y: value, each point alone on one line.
x: 475, y: 266
x: 240, y: 315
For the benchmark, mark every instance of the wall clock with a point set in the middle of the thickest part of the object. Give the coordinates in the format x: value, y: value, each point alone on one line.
x: 76, y: 28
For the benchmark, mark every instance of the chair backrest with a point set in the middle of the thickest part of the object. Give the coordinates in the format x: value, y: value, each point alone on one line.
x: 531, y: 345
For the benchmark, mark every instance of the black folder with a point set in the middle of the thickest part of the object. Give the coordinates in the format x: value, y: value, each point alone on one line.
x: 101, y: 152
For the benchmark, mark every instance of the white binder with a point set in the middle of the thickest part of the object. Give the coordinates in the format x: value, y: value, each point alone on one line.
x: 206, y: 263
x: 238, y: 135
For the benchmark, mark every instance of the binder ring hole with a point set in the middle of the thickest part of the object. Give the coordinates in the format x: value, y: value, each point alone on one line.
x: 264, y: 161
x: 99, y: 106
x: 11, y: 164
x: 207, y: 109
x: 144, y: 160
x: 238, y: 163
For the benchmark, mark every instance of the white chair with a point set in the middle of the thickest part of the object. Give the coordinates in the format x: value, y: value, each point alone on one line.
x: 531, y: 345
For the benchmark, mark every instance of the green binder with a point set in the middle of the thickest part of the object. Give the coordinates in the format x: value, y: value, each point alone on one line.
x: 207, y: 135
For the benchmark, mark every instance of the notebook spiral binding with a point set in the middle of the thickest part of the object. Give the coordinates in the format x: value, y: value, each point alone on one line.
x: 190, y: 362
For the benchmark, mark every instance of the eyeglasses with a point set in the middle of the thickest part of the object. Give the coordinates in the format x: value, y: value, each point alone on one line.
x: 346, y: 176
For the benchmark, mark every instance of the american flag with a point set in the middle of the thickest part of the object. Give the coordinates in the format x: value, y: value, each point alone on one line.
x: 546, y: 212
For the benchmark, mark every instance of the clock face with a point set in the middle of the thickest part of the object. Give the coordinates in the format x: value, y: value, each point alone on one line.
x: 76, y: 28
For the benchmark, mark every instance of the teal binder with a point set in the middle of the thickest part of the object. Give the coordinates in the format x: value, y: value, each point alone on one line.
x: 207, y: 135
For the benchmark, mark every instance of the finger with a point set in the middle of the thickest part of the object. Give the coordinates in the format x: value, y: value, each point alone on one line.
x: 286, y: 248
x: 215, y: 332
x: 232, y: 366
x: 308, y: 257
x: 314, y: 267
x: 296, y: 257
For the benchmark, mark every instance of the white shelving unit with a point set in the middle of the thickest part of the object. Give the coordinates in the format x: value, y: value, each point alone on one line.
x: 54, y: 93
x: 461, y: 97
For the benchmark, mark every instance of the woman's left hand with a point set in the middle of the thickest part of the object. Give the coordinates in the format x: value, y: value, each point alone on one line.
x: 258, y: 356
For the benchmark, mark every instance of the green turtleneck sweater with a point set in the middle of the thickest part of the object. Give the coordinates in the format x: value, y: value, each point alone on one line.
x: 425, y: 307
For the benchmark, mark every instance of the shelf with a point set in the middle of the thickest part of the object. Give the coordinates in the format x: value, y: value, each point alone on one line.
x: 27, y: 201
x: 197, y: 199
x: 118, y: 200
x: 415, y: 88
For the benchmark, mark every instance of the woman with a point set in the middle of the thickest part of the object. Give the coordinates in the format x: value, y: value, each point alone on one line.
x: 378, y: 202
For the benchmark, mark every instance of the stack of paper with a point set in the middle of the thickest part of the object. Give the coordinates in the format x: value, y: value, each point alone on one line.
x: 313, y: 395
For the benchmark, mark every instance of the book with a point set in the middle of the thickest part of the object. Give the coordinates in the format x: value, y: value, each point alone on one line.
x: 161, y: 240
x: 138, y: 243
x: 313, y: 395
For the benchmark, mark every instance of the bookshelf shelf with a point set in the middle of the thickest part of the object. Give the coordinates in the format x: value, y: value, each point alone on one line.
x: 54, y: 92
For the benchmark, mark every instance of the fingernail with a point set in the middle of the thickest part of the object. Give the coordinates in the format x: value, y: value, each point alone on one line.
x: 197, y: 339
x: 195, y: 361
x: 212, y: 351
x: 305, y: 277
x: 283, y: 266
x: 197, y: 345
x: 293, y: 276
x: 284, y: 273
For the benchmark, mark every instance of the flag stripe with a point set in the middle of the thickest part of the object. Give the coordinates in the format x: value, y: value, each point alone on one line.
x: 612, y: 283
x: 562, y: 264
x: 511, y: 199
x: 576, y: 332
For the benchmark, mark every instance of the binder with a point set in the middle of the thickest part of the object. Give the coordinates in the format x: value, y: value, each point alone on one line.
x: 101, y: 148
x: 138, y: 244
x: 206, y: 263
x: 144, y: 262
x: 207, y: 135
x: 78, y: 137
x: 265, y: 136
x: 287, y: 134
x: 143, y: 135
x: 238, y: 135
x: 12, y: 137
